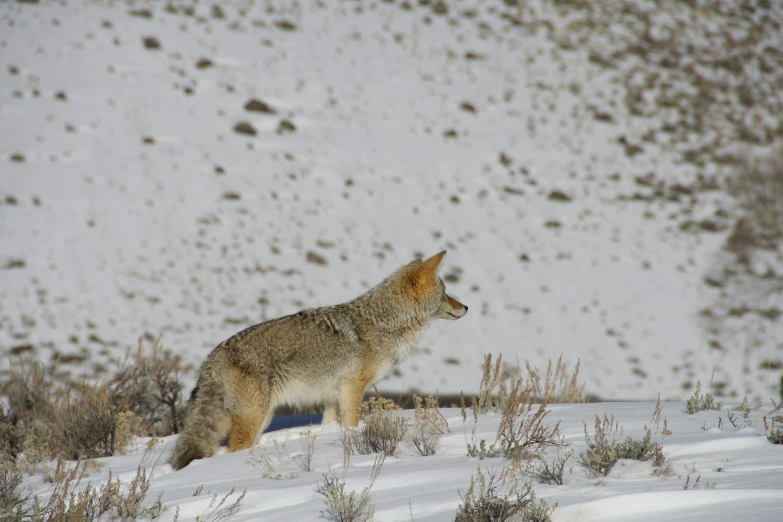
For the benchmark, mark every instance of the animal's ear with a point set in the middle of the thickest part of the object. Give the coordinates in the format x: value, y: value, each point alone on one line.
x: 416, y: 263
x: 431, y: 266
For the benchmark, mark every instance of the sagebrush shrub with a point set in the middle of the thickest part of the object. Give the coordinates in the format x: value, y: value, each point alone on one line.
x: 428, y: 425
x: 551, y: 472
x: 382, y: 430
x: 12, y: 499
x: 12, y: 433
x: 603, y: 451
x: 697, y: 402
x: 149, y: 383
x: 642, y: 450
x: 771, y: 421
x: 83, y: 426
x: 485, y: 502
x: 775, y: 436
x: 522, y: 432
x: 29, y: 391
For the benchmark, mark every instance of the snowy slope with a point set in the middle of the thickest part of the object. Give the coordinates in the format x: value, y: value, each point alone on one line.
x: 738, y: 473
x: 130, y: 206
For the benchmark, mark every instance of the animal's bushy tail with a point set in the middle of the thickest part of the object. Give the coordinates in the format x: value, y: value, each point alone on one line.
x: 205, y: 425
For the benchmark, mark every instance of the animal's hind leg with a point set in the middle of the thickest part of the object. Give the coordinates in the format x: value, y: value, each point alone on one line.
x: 251, y: 411
x: 245, y: 428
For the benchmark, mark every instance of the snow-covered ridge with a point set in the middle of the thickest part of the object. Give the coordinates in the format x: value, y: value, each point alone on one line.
x: 564, y: 162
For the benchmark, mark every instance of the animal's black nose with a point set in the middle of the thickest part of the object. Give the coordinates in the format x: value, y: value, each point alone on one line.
x: 466, y: 309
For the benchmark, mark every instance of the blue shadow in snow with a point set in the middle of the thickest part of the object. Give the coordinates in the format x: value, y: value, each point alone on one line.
x: 282, y: 422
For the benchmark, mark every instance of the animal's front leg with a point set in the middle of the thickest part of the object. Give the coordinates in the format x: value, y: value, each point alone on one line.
x: 351, y: 396
x: 330, y: 413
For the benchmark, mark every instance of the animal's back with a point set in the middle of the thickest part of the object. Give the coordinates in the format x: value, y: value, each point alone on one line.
x: 312, y: 342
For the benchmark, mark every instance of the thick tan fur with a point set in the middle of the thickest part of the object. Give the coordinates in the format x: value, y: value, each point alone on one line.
x: 323, y: 356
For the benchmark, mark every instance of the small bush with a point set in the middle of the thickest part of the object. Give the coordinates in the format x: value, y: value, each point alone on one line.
x: 697, y: 402
x: 538, y: 511
x: 29, y: 391
x: 771, y: 419
x: 12, y: 500
x: 308, y: 450
x: 522, y: 430
x: 775, y: 436
x: 482, y: 450
x: 428, y: 425
x: 603, y: 451
x: 381, y: 431
x: 12, y: 434
x: 642, y: 450
x: 551, y: 473
x: 150, y: 385
x: 348, y: 507
x: 83, y: 427
x: 484, y: 502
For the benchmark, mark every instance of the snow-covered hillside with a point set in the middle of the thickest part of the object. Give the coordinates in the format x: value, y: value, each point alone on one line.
x: 715, y: 473
x: 189, y: 169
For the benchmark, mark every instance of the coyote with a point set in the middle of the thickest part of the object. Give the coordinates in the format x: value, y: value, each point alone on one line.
x: 321, y: 356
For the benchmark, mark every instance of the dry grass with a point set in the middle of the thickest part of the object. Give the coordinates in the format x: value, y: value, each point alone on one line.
x: 270, y: 462
x: 70, y: 500
x: 557, y: 385
x: 220, y: 510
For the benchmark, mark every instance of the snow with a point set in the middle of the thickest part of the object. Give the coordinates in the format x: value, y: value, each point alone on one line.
x: 738, y: 472
x: 120, y: 239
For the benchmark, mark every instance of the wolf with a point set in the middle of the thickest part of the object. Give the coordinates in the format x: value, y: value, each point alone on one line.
x: 325, y: 356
